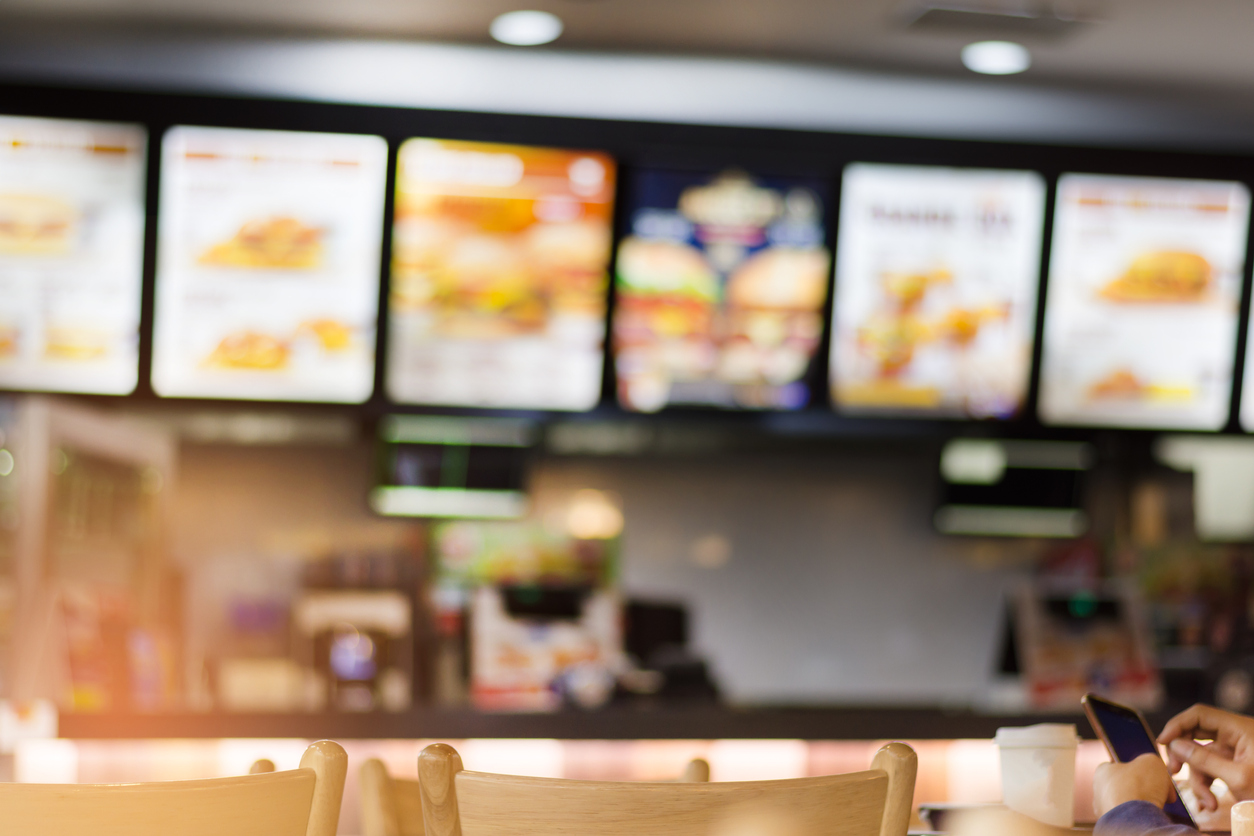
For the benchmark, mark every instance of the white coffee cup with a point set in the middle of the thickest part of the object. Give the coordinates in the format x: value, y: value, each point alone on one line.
x: 1038, y: 771
x: 1243, y: 818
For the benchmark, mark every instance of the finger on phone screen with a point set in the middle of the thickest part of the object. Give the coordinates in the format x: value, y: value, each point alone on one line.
x: 1195, y: 721
x: 1175, y: 762
x: 1200, y: 784
x: 1212, y: 764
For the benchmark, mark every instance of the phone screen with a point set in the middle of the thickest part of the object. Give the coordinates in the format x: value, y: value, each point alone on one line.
x: 1126, y: 736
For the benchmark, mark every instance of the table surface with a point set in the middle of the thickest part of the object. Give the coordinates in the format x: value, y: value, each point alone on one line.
x: 627, y: 722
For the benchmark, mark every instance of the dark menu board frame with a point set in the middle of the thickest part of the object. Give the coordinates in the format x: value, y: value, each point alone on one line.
x: 818, y: 154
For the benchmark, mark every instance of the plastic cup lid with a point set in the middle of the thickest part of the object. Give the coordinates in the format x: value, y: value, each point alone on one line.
x: 1048, y: 735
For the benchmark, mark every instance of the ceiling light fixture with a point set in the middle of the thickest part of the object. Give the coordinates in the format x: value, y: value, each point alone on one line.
x: 996, y: 57
x: 526, y: 28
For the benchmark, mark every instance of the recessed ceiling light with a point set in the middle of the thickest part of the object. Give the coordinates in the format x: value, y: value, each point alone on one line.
x: 996, y: 57
x: 526, y: 28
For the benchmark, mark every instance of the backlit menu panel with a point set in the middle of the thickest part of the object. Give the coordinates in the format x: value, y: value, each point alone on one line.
x: 721, y: 286
x: 269, y: 247
x: 71, y: 254
x: 1141, y: 317
x: 935, y: 298
x: 500, y: 267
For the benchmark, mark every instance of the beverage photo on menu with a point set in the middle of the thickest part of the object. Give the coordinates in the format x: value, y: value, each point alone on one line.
x: 500, y: 270
x: 269, y: 247
x: 71, y: 254
x: 721, y: 285
x: 935, y: 298
x: 1141, y: 317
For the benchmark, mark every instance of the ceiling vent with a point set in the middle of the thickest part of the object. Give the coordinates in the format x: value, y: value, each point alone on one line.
x: 1010, y: 18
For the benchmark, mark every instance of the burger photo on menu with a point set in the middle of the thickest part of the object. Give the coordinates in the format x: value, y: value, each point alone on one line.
x: 721, y: 287
x: 1140, y: 324
x: 935, y: 294
x: 499, y: 275
x: 36, y: 224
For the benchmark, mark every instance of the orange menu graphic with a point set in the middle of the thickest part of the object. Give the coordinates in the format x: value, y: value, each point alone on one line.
x: 935, y: 296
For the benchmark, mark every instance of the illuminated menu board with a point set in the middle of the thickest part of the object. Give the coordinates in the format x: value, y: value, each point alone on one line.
x: 721, y: 286
x: 71, y: 254
x: 499, y: 275
x: 936, y: 282
x: 1141, y: 317
x: 268, y: 264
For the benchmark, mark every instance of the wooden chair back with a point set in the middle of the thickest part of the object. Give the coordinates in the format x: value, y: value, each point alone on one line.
x: 872, y: 803
x: 392, y: 806
x: 300, y: 802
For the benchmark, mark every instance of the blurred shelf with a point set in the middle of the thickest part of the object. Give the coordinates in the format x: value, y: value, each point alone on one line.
x: 615, y: 723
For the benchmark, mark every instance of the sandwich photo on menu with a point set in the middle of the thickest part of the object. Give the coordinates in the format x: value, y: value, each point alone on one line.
x: 935, y: 295
x: 500, y: 266
x: 721, y: 286
x: 280, y: 243
x: 1141, y: 318
x: 268, y: 265
x: 71, y: 254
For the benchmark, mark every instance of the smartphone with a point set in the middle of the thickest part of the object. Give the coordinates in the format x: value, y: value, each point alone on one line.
x: 1127, y: 736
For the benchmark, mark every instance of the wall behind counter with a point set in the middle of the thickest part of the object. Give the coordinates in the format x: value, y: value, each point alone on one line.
x: 812, y: 579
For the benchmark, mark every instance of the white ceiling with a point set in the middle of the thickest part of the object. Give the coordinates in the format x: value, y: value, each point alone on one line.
x: 1183, y: 44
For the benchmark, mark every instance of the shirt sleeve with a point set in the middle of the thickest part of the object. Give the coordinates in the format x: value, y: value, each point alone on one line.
x: 1139, y: 818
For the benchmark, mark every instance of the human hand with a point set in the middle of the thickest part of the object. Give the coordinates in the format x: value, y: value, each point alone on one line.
x: 1144, y: 779
x: 1229, y: 757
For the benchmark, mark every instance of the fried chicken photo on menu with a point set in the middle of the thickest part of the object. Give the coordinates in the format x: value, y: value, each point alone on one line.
x: 907, y: 290
x: 891, y: 342
x: 36, y: 225
x: 249, y: 350
x: 1165, y: 276
x: 331, y: 334
x: 960, y: 326
x: 9, y: 335
x: 280, y: 243
x: 66, y: 342
x: 1120, y: 384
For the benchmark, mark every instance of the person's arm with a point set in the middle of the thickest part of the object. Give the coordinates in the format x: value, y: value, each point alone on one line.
x: 1139, y: 818
x: 1129, y: 799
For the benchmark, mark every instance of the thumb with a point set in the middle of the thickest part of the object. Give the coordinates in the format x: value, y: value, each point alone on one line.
x: 1207, y: 761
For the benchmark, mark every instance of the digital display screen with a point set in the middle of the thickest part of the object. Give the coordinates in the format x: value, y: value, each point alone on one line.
x: 71, y: 254
x: 500, y: 271
x: 453, y: 467
x: 1141, y: 314
x: 934, y: 307
x: 721, y: 285
x: 269, y: 247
